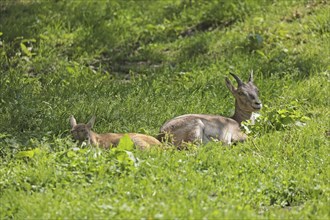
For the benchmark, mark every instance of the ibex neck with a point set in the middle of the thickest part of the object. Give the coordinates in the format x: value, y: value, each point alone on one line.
x: 241, y: 115
x: 93, y: 138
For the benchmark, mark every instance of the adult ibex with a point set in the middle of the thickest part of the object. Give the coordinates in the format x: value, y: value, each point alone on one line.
x: 203, y: 128
x: 82, y: 132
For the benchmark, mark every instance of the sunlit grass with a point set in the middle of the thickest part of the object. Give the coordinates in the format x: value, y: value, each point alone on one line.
x: 136, y: 65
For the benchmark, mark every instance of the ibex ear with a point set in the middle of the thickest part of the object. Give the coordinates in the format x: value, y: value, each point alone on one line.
x: 91, y: 122
x: 73, y: 121
x: 251, y: 76
x: 230, y: 85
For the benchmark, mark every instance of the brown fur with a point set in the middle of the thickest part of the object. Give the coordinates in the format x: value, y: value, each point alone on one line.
x: 204, y: 128
x: 82, y: 132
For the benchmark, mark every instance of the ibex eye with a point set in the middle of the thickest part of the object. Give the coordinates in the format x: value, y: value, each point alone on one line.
x: 252, y: 96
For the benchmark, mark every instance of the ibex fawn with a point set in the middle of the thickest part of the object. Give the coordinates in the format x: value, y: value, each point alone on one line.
x: 82, y: 132
x: 203, y: 128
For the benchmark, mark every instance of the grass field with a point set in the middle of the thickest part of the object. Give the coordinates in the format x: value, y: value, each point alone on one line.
x: 136, y: 64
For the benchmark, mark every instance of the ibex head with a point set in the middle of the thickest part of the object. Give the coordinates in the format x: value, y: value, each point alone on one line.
x: 246, y: 94
x: 81, y: 132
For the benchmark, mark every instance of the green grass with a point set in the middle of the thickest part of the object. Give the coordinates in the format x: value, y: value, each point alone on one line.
x: 136, y: 64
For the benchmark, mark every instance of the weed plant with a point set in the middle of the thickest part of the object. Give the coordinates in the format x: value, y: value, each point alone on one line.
x: 136, y: 64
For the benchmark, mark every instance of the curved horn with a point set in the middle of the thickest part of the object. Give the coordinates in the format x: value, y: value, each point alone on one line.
x: 251, y: 76
x: 238, y: 80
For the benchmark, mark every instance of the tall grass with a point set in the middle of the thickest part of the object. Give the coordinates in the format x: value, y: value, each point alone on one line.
x: 136, y: 64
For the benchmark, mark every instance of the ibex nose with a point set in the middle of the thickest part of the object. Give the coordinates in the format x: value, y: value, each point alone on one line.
x: 257, y: 104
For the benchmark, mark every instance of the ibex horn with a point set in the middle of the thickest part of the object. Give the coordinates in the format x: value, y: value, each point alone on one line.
x: 238, y: 80
x: 251, y: 76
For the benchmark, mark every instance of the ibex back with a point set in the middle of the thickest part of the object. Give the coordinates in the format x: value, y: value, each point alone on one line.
x: 203, y: 128
x: 82, y: 132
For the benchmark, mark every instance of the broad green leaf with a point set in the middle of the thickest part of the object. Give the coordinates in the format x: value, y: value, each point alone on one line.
x: 132, y: 157
x: 282, y: 111
x: 126, y: 143
x: 71, y: 154
x: 4, y: 135
x: 29, y: 40
x: 25, y: 50
x: 44, y: 37
x: 28, y: 154
x: 70, y: 70
x: 305, y: 118
x: 122, y: 157
x: 262, y: 54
